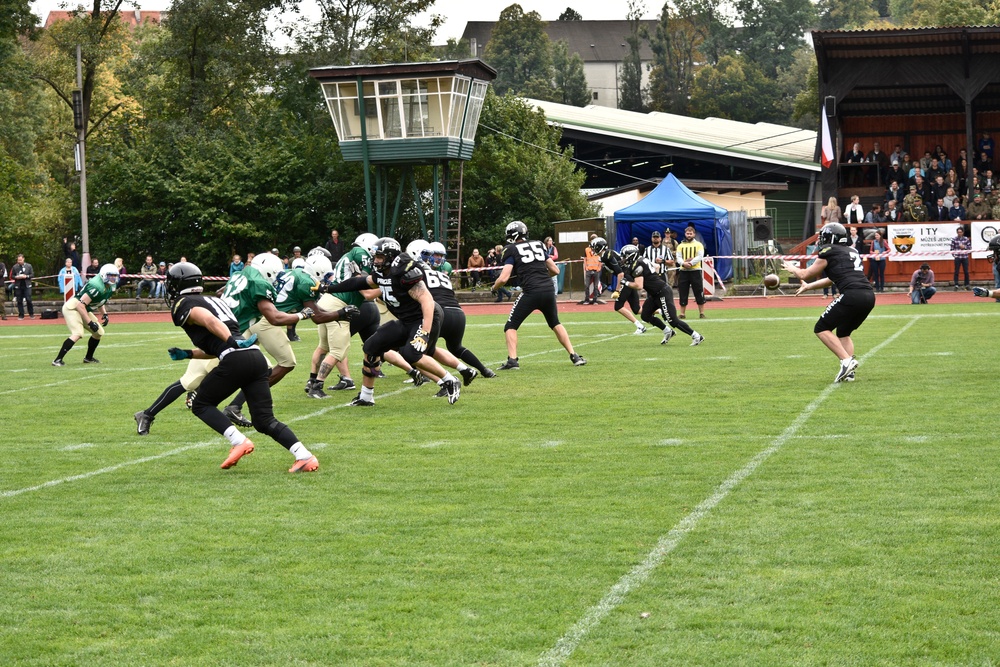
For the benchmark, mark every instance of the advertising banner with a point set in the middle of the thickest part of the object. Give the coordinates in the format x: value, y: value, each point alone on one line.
x: 981, y: 233
x: 922, y: 241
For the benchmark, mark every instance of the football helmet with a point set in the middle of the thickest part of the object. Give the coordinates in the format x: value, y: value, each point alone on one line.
x: 993, y: 254
x: 598, y: 245
x: 269, y: 266
x: 516, y: 231
x: 299, y: 263
x: 629, y: 253
x: 109, y: 274
x: 833, y: 232
x: 318, y: 266
x: 320, y: 250
x: 388, y: 249
x: 437, y: 253
x: 366, y: 242
x: 417, y: 249
x: 183, y: 278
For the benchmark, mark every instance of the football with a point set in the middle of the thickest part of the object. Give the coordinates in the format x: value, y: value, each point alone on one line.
x: 771, y: 280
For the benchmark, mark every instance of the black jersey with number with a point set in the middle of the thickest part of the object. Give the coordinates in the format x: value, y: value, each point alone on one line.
x: 651, y: 280
x: 844, y: 267
x: 396, y: 281
x: 201, y: 337
x: 528, y: 260
x: 440, y: 287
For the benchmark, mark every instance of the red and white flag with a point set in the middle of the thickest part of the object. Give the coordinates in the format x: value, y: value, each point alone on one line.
x: 827, y: 158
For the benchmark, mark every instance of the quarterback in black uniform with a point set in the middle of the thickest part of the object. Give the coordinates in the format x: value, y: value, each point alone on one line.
x: 659, y: 297
x: 838, y: 264
x: 213, y: 329
x: 623, y: 296
x: 528, y: 261
x: 415, y: 330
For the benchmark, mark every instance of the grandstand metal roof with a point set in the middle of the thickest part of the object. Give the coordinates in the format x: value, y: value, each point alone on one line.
x: 777, y: 148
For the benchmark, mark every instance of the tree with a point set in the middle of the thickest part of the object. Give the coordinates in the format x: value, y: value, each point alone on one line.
x: 847, y: 14
x: 521, y: 52
x: 631, y: 83
x: 518, y: 172
x: 369, y: 31
x: 772, y: 31
x: 570, y: 14
x: 571, y: 82
x: 735, y: 89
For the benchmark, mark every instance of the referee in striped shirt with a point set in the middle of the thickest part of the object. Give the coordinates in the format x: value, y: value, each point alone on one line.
x: 658, y: 254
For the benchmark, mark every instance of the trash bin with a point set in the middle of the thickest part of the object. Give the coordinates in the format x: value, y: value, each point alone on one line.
x: 561, y: 278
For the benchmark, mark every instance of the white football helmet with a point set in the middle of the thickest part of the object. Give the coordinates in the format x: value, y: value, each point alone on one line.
x: 416, y: 249
x: 269, y: 266
x: 299, y: 263
x: 366, y: 242
x: 437, y: 253
x: 109, y: 274
x: 318, y: 266
x: 320, y: 250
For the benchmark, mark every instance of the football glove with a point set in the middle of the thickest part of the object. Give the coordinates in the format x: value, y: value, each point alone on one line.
x: 615, y: 295
x: 419, y: 341
x: 105, y: 319
x: 980, y: 291
x: 305, y: 313
x: 246, y: 342
x: 348, y: 313
x: 177, y: 354
x: 93, y: 326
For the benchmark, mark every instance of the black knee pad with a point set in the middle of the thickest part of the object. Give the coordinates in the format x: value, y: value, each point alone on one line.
x: 370, y: 366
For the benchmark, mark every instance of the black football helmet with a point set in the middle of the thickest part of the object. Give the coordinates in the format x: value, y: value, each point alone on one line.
x: 516, y: 231
x: 629, y: 253
x: 993, y: 254
x: 388, y: 249
x: 599, y: 245
x: 183, y: 278
x: 833, y: 232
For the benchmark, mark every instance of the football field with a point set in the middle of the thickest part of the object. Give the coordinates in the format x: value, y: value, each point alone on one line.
x: 724, y: 504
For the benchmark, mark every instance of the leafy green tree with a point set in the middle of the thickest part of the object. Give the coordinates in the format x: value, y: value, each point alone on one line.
x: 370, y: 31
x: 735, y: 88
x: 521, y: 53
x: 631, y: 72
x: 798, y: 90
x: 571, y: 82
x: 570, y: 14
x: 772, y: 31
x: 847, y: 14
x: 518, y: 172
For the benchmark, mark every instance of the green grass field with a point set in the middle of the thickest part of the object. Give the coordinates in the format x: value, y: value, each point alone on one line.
x: 663, y: 505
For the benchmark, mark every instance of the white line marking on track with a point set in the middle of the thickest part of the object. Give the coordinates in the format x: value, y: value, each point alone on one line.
x: 559, y: 653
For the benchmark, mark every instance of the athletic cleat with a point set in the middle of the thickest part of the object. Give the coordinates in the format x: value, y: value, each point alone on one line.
x: 849, y: 377
x: 846, y: 368
x: 345, y: 383
x: 294, y: 338
x: 236, y: 417
x: 453, y: 388
x: 577, y: 360
x: 91, y: 360
x: 510, y: 364
x: 362, y: 403
x: 442, y: 392
x: 639, y: 330
x: 142, y: 422
x: 189, y: 401
x: 418, y: 377
x: 668, y: 333
x: 468, y: 375
x: 379, y: 374
x: 58, y: 362
x: 488, y: 374
x: 236, y: 453
x: 310, y: 464
x: 696, y: 339
x: 316, y: 391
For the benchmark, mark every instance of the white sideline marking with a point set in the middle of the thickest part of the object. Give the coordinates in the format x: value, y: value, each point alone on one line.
x: 670, y: 442
x: 95, y: 473
x: 73, y: 448
x: 916, y: 438
x: 82, y: 378
x: 431, y: 445
x: 559, y: 653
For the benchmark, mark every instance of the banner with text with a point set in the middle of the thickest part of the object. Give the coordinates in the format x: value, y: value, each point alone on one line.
x: 918, y: 241
x: 981, y: 234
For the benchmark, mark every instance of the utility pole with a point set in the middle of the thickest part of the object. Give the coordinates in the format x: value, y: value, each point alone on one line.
x: 80, y: 123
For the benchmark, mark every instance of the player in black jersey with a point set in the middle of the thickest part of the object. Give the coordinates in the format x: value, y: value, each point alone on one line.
x: 838, y: 264
x: 415, y: 330
x: 528, y: 261
x: 623, y: 296
x: 659, y: 297
x: 213, y: 329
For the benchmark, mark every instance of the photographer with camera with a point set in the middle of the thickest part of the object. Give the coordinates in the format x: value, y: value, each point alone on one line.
x: 922, y: 284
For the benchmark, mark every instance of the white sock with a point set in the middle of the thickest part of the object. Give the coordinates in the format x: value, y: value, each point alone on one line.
x: 448, y: 377
x: 234, y: 435
x: 300, y: 452
x: 638, y: 324
x: 367, y: 394
x: 461, y: 367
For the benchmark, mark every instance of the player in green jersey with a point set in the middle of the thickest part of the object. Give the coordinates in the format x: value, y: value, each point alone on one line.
x: 80, y: 310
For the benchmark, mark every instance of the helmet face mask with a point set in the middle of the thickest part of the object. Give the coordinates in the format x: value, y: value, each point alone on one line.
x: 833, y: 233
x: 109, y: 274
x: 598, y: 245
x: 183, y: 278
x: 516, y: 231
x: 318, y: 267
x: 418, y: 249
x: 437, y: 252
x: 268, y: 265
x: 629, y: 253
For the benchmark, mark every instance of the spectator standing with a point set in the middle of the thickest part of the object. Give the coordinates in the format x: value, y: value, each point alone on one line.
x: 475, y: 265
x: 335, y: 246
x: 856, y: 241
x: 22, y: 273
x: 690, y: 252
x: 879, y: 248
x: 3, y: 291
x: 551, y: 252
x: 592, y: 275
x: 70, y: 270
x: 831, y: 212
x: 236, y: 265
x: 855, y: 213
x: 922, y: 285
x: 877, y: 157
x: 148, y: 273
x: 961, y: 246
x: 658, y: 255
x: 69, y: 250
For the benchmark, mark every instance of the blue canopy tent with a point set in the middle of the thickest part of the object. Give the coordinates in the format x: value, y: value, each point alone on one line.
x: 672, y: 206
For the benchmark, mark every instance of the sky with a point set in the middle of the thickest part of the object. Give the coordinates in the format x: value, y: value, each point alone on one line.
x: 456, y: 12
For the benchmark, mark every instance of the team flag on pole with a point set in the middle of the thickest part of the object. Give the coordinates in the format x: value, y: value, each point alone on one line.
x: 827, y: 144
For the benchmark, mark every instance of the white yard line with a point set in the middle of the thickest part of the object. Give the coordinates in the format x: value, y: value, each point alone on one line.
x: 559, y: 653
